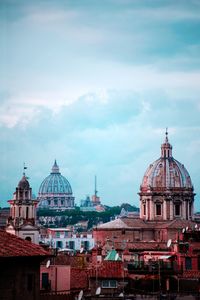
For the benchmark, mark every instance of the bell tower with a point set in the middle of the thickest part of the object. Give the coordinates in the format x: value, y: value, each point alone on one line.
x: 22, y: 220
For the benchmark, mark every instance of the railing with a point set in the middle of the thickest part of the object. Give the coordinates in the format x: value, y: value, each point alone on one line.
x: 154, y: 268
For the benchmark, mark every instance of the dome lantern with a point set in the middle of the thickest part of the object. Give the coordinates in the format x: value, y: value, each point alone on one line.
x: 55, y: 168
x: 166, y: 147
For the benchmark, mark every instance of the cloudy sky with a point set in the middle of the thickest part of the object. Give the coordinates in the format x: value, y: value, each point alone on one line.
x: 94, y: 84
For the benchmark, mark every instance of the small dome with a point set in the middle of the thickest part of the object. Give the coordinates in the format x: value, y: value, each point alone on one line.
x: 55, y: 183
x: 24, y: 184
x: 166, y: 172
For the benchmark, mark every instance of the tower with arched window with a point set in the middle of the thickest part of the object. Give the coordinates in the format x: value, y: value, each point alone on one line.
x: 22, y: 220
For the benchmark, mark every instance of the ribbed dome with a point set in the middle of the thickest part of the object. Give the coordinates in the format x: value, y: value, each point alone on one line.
x: 166, y: 172
x: 55, y: 183
x: 23, y: 184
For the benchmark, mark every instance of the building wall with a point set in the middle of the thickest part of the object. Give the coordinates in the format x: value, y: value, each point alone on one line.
x: 20, y: 278
x: 59, y: 277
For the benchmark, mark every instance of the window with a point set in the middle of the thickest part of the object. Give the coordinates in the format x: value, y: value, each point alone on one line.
x: 144, y: 209
x: 71, y: 245
x: 57, y: 234
x: 109, y: 283
x: 188, y: 263
x: 177, y: 209
x: 158, y: 209
x: 59, y: 244
x: 45, y: 281
x: 27, y: 212
x: 190, y: 209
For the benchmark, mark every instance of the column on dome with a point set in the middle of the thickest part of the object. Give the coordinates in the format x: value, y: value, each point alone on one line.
x: 164, y: 210
x: 184, y: 209
x: 152, y: 209
x: 171, y: 210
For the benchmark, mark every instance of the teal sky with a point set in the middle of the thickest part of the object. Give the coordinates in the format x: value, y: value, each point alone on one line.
x: 94, y: 84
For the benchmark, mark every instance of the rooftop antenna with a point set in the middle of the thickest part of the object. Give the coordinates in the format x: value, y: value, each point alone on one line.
x: 48, y: 264
x: 80, y: 295
x: 169, y: 242
x: 98, y: 291
x: 24, y: 168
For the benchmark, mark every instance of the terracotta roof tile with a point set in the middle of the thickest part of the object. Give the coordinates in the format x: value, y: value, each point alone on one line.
x: 13, y: 246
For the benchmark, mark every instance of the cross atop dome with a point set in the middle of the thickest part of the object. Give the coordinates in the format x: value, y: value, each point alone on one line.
x: 166, y: 135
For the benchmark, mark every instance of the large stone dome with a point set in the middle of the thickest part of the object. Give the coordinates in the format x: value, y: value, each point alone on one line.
x: 55, y: 183
x: 166, y: 172
x: 166, y: 192
x: 55, y: 191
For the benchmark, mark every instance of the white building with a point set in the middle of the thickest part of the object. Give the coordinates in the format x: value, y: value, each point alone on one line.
x: 63, y: 238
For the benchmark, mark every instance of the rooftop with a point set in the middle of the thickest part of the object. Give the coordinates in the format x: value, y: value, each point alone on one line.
x: 13, y: 246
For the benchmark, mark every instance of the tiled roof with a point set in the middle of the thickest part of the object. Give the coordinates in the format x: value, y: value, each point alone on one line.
x: 142, y: 246
x: 108, y: 269
x: 124, y: 223
x: 191, y: 274
x: 136, y: 223
x: 118, y: 223
x: 13, y: 246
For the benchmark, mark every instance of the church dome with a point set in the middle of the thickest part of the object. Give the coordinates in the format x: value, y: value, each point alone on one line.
x: 166, y: 172
x: 23, y: 184
x: 55, y: 183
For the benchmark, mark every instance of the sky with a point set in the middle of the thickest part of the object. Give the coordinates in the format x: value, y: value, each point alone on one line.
x: 93, y: 84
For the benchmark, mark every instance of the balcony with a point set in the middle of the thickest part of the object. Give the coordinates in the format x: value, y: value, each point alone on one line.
x: 153, y: 268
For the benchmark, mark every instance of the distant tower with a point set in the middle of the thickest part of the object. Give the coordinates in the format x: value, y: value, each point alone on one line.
x: 22, y: 220
x: 95, y: 199
x: 166, y: 192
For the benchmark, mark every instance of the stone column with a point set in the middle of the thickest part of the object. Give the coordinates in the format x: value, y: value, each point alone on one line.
x: 184, y: 210
x: 152, y: 210
x: 164, y: 210
x: 171, y: 210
